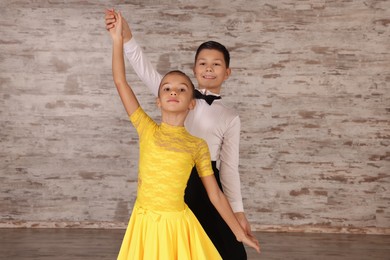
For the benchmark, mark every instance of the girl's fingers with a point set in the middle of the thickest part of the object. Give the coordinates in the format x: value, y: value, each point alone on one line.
x: 109, y: 27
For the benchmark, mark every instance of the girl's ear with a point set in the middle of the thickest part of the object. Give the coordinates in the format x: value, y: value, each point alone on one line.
x: 158, y: 103
x: 192, y: 104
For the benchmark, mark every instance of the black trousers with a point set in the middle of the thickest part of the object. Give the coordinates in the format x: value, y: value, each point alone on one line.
x: 216, y: 228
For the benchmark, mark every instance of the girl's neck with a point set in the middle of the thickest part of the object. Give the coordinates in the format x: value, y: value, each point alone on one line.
x: 174, y: 119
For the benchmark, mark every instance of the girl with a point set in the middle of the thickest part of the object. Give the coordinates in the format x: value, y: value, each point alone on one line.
x: 161, y: 225
x: 212, y: 121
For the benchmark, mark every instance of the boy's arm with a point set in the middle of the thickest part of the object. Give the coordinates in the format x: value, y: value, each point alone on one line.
x: 229, y: 173
x: 142, y: 66
x: 126, y: 94
x: 229, y: 157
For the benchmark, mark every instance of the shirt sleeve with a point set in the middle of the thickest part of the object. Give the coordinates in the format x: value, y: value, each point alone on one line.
x: 203, y: 161
x: 229, y: 160
x: 141, y: 121
x: 142, y: 66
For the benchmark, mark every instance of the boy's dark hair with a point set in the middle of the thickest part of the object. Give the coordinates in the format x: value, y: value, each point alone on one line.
x: 212, y: 45
x: 179, y: 72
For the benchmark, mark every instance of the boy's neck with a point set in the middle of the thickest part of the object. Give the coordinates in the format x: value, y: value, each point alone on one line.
x: 215, y: 90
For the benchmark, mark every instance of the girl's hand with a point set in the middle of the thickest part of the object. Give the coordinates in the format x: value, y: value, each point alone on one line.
x: 116, y: 30
x: 109, y: 18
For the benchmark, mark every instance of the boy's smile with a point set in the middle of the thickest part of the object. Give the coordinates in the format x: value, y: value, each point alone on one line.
x: 208, y: 77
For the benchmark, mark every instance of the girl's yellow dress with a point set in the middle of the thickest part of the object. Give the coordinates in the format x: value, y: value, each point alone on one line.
x: 161, y: 225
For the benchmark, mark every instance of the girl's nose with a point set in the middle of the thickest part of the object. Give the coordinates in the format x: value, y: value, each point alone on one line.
x: 173, y: 93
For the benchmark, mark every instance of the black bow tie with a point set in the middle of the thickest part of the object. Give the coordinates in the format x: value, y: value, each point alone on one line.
x: 208, y: 98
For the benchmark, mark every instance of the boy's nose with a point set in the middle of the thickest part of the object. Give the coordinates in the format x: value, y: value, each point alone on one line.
x: 173, y: 93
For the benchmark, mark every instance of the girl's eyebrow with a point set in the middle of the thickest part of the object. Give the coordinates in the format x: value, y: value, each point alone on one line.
x: 185, y: 84
x: 182, y: 83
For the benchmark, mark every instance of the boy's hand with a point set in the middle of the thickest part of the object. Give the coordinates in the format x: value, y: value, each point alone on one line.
x: 244, y: 222
x: 252, y: 242
x: 249, y: 238
x: 110, y: 19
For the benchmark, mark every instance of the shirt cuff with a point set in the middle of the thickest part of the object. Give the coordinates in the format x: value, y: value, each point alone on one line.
x: 128, y: 46
x: 236, y: 207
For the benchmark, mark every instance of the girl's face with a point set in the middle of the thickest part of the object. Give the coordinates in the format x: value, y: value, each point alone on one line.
x: 175, y: 93
x: 210, y: 70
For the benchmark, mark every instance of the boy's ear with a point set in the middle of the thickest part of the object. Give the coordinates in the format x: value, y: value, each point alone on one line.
x: 158, y: 103
x: 192, y: 104
x: 228, y: 73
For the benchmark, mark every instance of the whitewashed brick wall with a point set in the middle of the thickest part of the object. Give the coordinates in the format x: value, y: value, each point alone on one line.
x: 310, y: 81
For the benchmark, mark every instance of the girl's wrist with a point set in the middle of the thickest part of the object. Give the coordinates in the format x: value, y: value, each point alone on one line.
x: 117, y: 39
x: 240, y: 235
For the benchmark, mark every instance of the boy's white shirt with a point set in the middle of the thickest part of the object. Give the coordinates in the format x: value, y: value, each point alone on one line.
x: 217, y: 124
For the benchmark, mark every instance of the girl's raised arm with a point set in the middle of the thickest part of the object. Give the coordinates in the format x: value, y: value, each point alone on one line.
x: 141, y: 65
x: 128, y: 98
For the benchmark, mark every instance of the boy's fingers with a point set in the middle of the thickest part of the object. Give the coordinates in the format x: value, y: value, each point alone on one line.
x: 254, y: 243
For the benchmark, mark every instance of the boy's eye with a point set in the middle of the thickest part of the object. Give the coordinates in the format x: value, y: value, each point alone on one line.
x: 182, y: 90
x: 217, y: 64
x: 166, y: 89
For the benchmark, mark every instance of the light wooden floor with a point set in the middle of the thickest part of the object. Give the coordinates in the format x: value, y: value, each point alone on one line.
x: 88, y: 244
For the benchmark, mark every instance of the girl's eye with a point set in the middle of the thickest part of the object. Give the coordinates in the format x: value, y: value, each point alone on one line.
x: 182, y: 90
x: 202, y: 63
x: 166, y: 89
x: 217, y: 64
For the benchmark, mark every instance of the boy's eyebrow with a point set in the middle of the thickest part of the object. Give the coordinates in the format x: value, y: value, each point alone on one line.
x: 213, y: 59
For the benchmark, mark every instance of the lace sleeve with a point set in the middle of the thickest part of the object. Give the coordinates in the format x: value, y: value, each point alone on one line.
x: 141, y: 121
x: 203, y: 161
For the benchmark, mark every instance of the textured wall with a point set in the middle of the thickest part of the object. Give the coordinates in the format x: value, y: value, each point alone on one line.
x: 310, y: 81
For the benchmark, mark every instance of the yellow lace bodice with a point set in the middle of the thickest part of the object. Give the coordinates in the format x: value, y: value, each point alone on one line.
x: 167, y: 156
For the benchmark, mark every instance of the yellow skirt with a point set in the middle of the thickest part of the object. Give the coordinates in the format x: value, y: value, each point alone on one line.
x: 153, y: 235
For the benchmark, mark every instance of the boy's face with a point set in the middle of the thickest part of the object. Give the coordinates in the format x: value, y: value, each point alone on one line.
x: 175, y: 94
x: 210, y: 70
